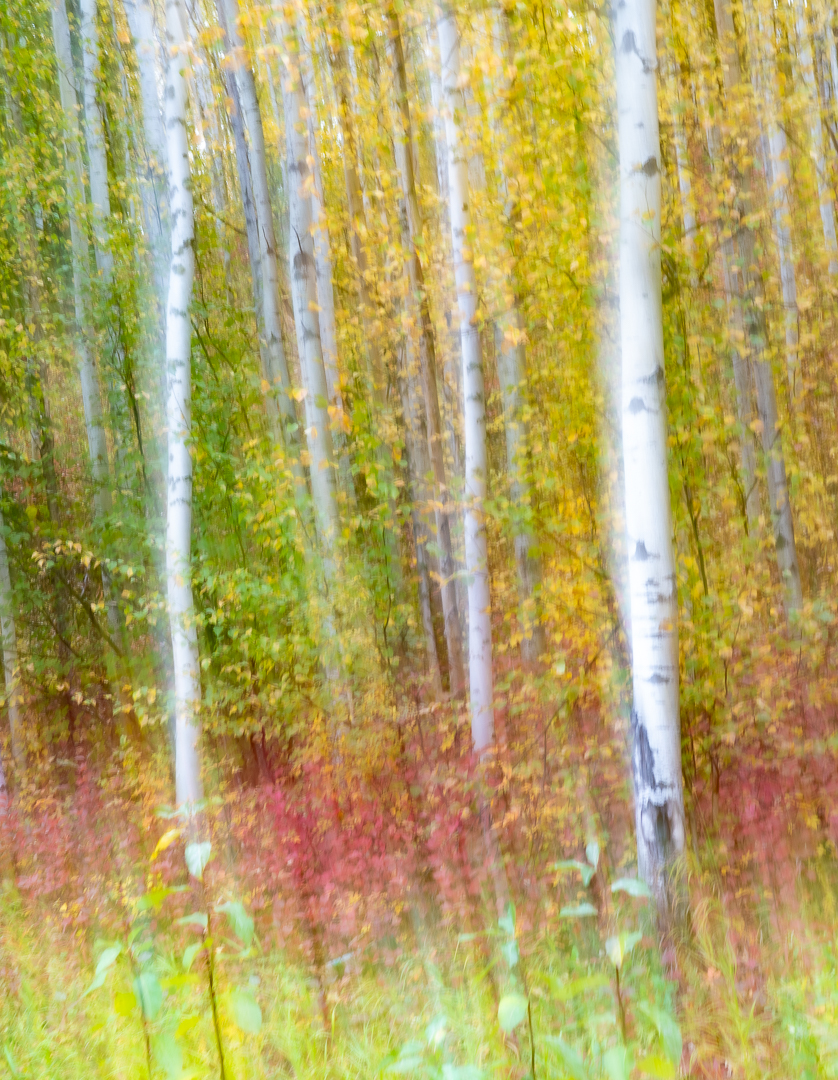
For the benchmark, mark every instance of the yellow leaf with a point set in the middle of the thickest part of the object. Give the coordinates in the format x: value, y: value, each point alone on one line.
x: 165, y: 841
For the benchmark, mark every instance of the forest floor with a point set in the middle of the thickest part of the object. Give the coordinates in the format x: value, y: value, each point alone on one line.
x: 376, y: 949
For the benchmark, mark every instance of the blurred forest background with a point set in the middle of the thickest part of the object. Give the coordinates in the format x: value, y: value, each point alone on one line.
x: 340, y: 736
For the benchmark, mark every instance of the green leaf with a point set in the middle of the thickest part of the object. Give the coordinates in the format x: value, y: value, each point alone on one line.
x: 668, y: 1029
x: 461, y: 1072
x: 617, y: 1063
x: 592, y: 853
x: 98, y: 980
x: 587, y: 872
x: 632, y: 886
x: 197, y: 919
x: 405, y: 1064
x: 10, y: 1061
x: 197, y: 857
x: 155, y: 897
x: 572, y: 1061
x: 108, y: 958
x: 189, y: 954
x: 240, y: 922
x: 169, y: 1055
x: 246, y: 1012
x: 578, y: 911
x: 511, y: 1011
x: 124, y: 1003
x: 618, y: 947
x: 659, y: 1067
x: 149, y: 994
x: 507, y: 920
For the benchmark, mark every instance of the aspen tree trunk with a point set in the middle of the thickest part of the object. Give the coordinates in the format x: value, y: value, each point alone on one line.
x: 419, y: 467
x: 825, y: 195
x: 512, y: 374
x: 304, y: 296
x: 234, y: 112
x: 10, y: 660
x: 741, y: 373
x: 323, y: 264
x: 751, y: 296
x: 88, y: 374
x: 656, y: 754
x: 320, y: 227
x: 481, y: 686
x: 179, y: 420
x: 280, y: 405
x: 778, y: 179
x: 153, y: 186
x: 412, y: 230
x: 476, y: 472
x: 97, y: 159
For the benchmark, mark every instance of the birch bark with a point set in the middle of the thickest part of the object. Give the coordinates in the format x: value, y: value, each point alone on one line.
x: 306, y: 309
x: 656, y: 753
x: 88, y: 373
x: 153, y: 183
x: 474, y: 405
x: 179, y: 420
x: 778, y: 179
x: 413, y: 240
x: 281, y: 412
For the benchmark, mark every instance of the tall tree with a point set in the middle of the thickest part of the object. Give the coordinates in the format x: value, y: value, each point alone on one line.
x: 280, y: 404
x: 655, y: 721
x: 413, y: 243
x: 188, y: 784
x: 750, y: 295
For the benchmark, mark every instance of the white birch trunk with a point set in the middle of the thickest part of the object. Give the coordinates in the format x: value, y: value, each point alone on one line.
x: 512, y: 374
x: 153, y: 184
x: 179, y: 420
x: 281, y: 412
x: 10, y: 660
x: 825, y: 196
x: 420, y: 312
x: 476, y: 468
x: 778, y: 179
x: 96, y: 439
x: 306, y: 309
x: 320, y: 226
x: 656, y: 755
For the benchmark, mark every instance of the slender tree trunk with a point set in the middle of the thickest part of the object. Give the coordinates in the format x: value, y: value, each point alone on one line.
x: 778, y: 179
x: 739, y: 363
x: 248, y: 205
x: 656, y: 756
x: 476, y: 472
x: 88, y: 373
x: 179, y: 420
x: 751, y: 296
x: 825, y: 195
x: 304, y: 296
x: 153, y: 182
x: 281, y: 412
x: 412, y: 231
x: 512, y: 373
x: 10, y: 661
x: 481, y: 683
x: 418, y: 468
